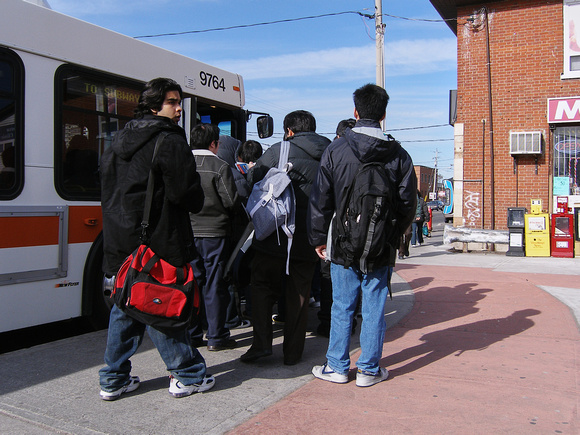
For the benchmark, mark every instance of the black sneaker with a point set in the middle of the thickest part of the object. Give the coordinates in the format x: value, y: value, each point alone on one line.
x: 228, y: 344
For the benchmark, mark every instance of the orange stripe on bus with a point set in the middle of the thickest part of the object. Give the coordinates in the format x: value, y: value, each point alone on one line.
x: 84, y: 223
x: 21, y: 231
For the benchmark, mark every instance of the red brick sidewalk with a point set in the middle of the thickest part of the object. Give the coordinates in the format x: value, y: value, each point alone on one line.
x: 481, y: 352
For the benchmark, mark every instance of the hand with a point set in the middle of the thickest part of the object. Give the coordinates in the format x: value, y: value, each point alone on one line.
x: 321, y: 251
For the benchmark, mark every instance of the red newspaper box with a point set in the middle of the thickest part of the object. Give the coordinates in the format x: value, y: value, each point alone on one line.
x: 562, y: 235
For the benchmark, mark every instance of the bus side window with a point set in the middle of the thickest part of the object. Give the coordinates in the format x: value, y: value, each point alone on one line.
x: 81, y: 165
x: 11, y: 124
x: 91, y: 108
x: 8, y: 172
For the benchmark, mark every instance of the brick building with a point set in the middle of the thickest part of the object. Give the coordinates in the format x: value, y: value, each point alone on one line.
x: 518, y: 106
x: 425, y: 179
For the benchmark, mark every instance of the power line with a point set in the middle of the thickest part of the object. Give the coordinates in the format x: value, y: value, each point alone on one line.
x: 417, y: 128
x: 288, y: 20
x: 425, y: 140
x: 436, y: 20
x: 401, y: 141
x: 241, y: 26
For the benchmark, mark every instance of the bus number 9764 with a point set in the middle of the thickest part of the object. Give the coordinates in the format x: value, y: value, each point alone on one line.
x: 208, y: 79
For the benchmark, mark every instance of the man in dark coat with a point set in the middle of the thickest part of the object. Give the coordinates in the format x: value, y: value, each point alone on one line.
x: 125, y: 170
x: 228, y: 151
x: 364, y: 143
x: 269, y: 262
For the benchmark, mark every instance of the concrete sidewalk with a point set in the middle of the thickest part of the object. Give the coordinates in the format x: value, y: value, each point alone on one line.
x: 54, y: 387
x: 478, y: 346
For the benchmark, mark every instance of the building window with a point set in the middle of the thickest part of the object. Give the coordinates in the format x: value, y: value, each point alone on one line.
x: 566, y: 156
x: 571, y: 39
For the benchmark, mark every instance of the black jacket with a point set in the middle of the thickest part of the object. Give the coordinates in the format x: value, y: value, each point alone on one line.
x: 422, y: 211
x: 124, y: 173
x: 305, y: 152
x: 364, y: 143
x: 228, y: 152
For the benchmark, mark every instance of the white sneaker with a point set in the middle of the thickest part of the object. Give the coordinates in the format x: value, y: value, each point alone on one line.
x: 177, y: 389
x: 114, y: 395
x: 327, y: 374
x: 366, y: 379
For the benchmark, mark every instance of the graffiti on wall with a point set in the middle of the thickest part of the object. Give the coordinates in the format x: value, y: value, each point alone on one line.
x: 472, y: 210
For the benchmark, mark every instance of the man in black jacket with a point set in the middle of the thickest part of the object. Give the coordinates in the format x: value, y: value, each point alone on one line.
x: 269, y: 262
x: 125, y: 169
x: 364, y: 143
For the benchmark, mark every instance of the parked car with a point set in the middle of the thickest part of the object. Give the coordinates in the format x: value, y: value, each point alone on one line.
x: 435, y: 205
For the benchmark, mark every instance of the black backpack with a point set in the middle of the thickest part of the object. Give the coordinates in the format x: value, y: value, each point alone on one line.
x: 365, y: 225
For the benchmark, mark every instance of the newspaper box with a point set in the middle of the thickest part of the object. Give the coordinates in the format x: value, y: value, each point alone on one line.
x: 537, y: 230
x: 563, y: 235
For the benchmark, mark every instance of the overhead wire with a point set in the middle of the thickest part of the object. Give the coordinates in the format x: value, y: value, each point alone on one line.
x: 242, y: 26
x: 288, y: 20
x: 417, y: 128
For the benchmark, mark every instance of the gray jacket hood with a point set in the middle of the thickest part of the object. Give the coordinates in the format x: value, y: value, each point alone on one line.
x: 369, y: 143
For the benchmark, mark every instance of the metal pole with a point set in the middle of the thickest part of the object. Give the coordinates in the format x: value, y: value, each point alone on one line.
x: 491, y: 155
x: 435, y: 173
x: 380, y: 44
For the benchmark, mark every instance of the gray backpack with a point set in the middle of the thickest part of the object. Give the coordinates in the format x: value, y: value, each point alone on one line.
x: 272, y: 204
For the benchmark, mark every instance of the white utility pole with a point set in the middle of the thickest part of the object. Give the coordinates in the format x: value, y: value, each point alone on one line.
x: 380, y: 43
x: 435, y: 174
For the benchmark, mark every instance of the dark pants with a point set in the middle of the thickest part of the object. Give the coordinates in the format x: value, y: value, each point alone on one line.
x: 267, y: 282
x: 208, y: 269
x: 404, y: 242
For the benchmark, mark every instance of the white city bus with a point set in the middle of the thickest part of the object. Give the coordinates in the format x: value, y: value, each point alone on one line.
x: 66, y: 88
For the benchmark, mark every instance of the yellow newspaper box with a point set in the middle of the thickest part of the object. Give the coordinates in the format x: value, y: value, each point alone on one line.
x: 537, y: 231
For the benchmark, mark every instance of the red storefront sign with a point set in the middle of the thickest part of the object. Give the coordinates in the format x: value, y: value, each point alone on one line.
x: 563, y: 110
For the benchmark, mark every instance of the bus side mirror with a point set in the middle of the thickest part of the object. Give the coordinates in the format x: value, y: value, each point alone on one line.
x: 265, y: 126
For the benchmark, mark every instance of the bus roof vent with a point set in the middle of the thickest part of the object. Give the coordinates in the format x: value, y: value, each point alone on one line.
x: 189, y: 82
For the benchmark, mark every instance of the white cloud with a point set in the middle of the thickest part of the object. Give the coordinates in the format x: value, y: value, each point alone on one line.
x: 421, y: 56
x: 80, y: 8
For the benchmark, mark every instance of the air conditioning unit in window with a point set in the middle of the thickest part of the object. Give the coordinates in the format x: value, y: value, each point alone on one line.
x: 525, y: 142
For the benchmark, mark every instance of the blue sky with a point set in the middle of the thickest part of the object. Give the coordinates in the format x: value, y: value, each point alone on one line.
x: 312, y: 64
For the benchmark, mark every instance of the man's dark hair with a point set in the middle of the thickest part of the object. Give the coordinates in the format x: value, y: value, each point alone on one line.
x: 250, y: 151
x: 202, y: 135
x: 299, y: 121
x: 153, y: 95
x: 343, y: 125
x: 370, y: 101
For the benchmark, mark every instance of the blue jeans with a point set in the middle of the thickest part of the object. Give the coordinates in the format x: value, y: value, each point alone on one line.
x: 124, y: 337
x: 417, y: 236
x: 346, y: 286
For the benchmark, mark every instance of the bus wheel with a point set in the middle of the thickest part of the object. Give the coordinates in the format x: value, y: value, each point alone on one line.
x: 96, y: 303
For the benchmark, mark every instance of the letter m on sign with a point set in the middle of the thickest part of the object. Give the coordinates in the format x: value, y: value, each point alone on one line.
x: 563, y: 109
